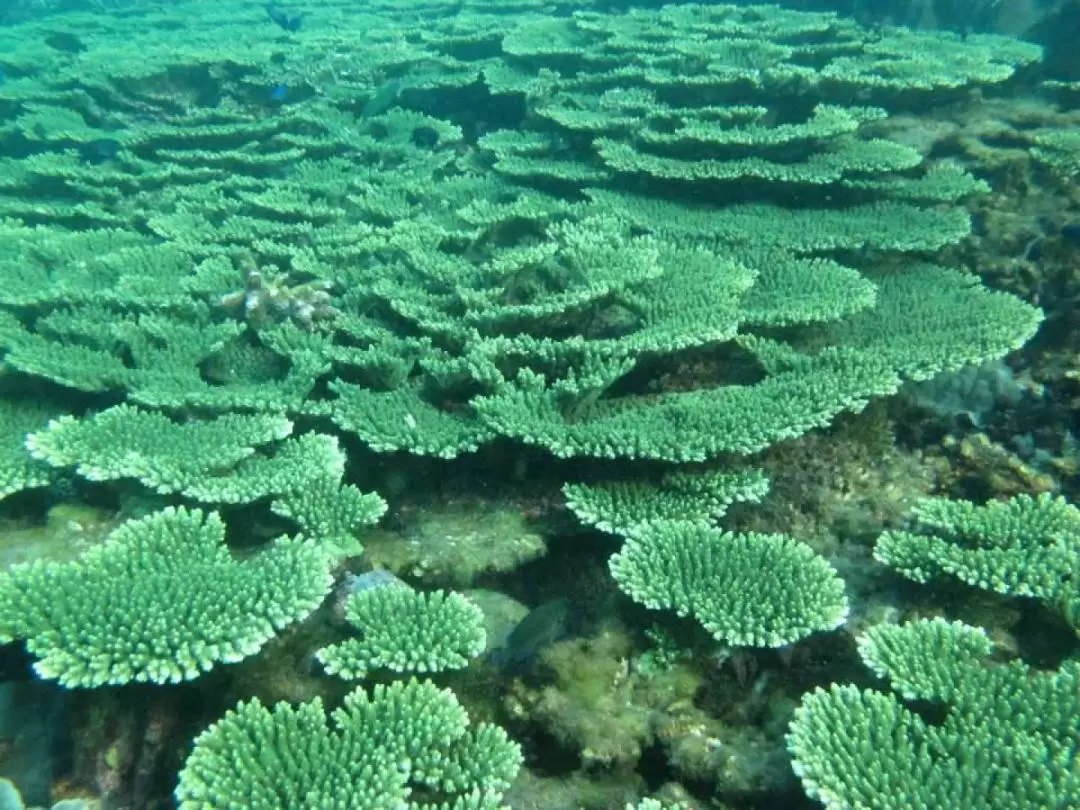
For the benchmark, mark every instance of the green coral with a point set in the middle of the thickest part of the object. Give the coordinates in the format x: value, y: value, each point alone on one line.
x: 333, y: 512
x: 165, y: 454
x: 1008, y: 737
x: 743, y: 61
x: 1022, y: 546
x: 931, y: 319
x: 18, y: 470
x: 690, y: 426
x: 403, y: 630
x: 1009, y: 734
x: 745, y: 589
x: 618, y: 506
x: 406, y: 746
x: 161, y: 600
x: 220, y: 460
x: 294, y: 464
x: 402, y: 420
x: 1059, y: 150
x: 436, y: 307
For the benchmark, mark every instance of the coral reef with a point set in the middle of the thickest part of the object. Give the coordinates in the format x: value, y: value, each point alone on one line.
x: 1009, y: 731
x: 270, y: 274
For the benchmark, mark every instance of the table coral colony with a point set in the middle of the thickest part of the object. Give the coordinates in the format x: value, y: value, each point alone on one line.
x: 511, y: 253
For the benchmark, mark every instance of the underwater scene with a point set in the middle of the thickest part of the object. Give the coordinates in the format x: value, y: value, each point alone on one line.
x: 539, y: 405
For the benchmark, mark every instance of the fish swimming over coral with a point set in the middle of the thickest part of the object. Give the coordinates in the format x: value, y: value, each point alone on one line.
x: 542, y: 626
x: 288, y: 21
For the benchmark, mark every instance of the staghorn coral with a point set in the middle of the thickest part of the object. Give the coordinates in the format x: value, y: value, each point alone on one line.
x: 746, y: 589
x: 403, y: 630
x: 1022, y: 546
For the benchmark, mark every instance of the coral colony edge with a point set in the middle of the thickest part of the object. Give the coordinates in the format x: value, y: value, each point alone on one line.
x: 428, y: 405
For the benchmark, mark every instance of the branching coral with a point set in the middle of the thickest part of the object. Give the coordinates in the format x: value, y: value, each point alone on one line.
x: 269, y: 298
x: 407, y: 745
x: 1009, y: 732
x: 160, y: 601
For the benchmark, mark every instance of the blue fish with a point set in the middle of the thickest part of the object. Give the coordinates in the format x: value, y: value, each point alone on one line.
x: 377, y: 578
x: 279, y: 93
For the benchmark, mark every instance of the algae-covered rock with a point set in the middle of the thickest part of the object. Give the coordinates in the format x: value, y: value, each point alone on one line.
x: 502, y: 613
x: 69, y: 530
x: 453, y: 543
x: 591, y: 706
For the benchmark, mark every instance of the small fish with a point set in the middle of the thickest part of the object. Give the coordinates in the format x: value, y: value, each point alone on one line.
x: 287, y: 21
x: 425, y: 137
x: 1071, y: 233
x: 382, y: 99
x: 377, y: 578
x: 279, y: 93
x: 541, y: 627
x: 99, y: 151
x: 68, y: 43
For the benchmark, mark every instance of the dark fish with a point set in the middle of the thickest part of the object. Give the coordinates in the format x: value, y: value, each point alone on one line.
x: 279, y: 93
x: 541, y: 627
x: 99, y: 151
x: 68, y: 43
x: 287, y: 21
x: 425, y: 137
x: 1071, y: 233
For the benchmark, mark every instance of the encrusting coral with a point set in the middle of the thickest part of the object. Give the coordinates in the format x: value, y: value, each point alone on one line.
x: 454, y: 541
